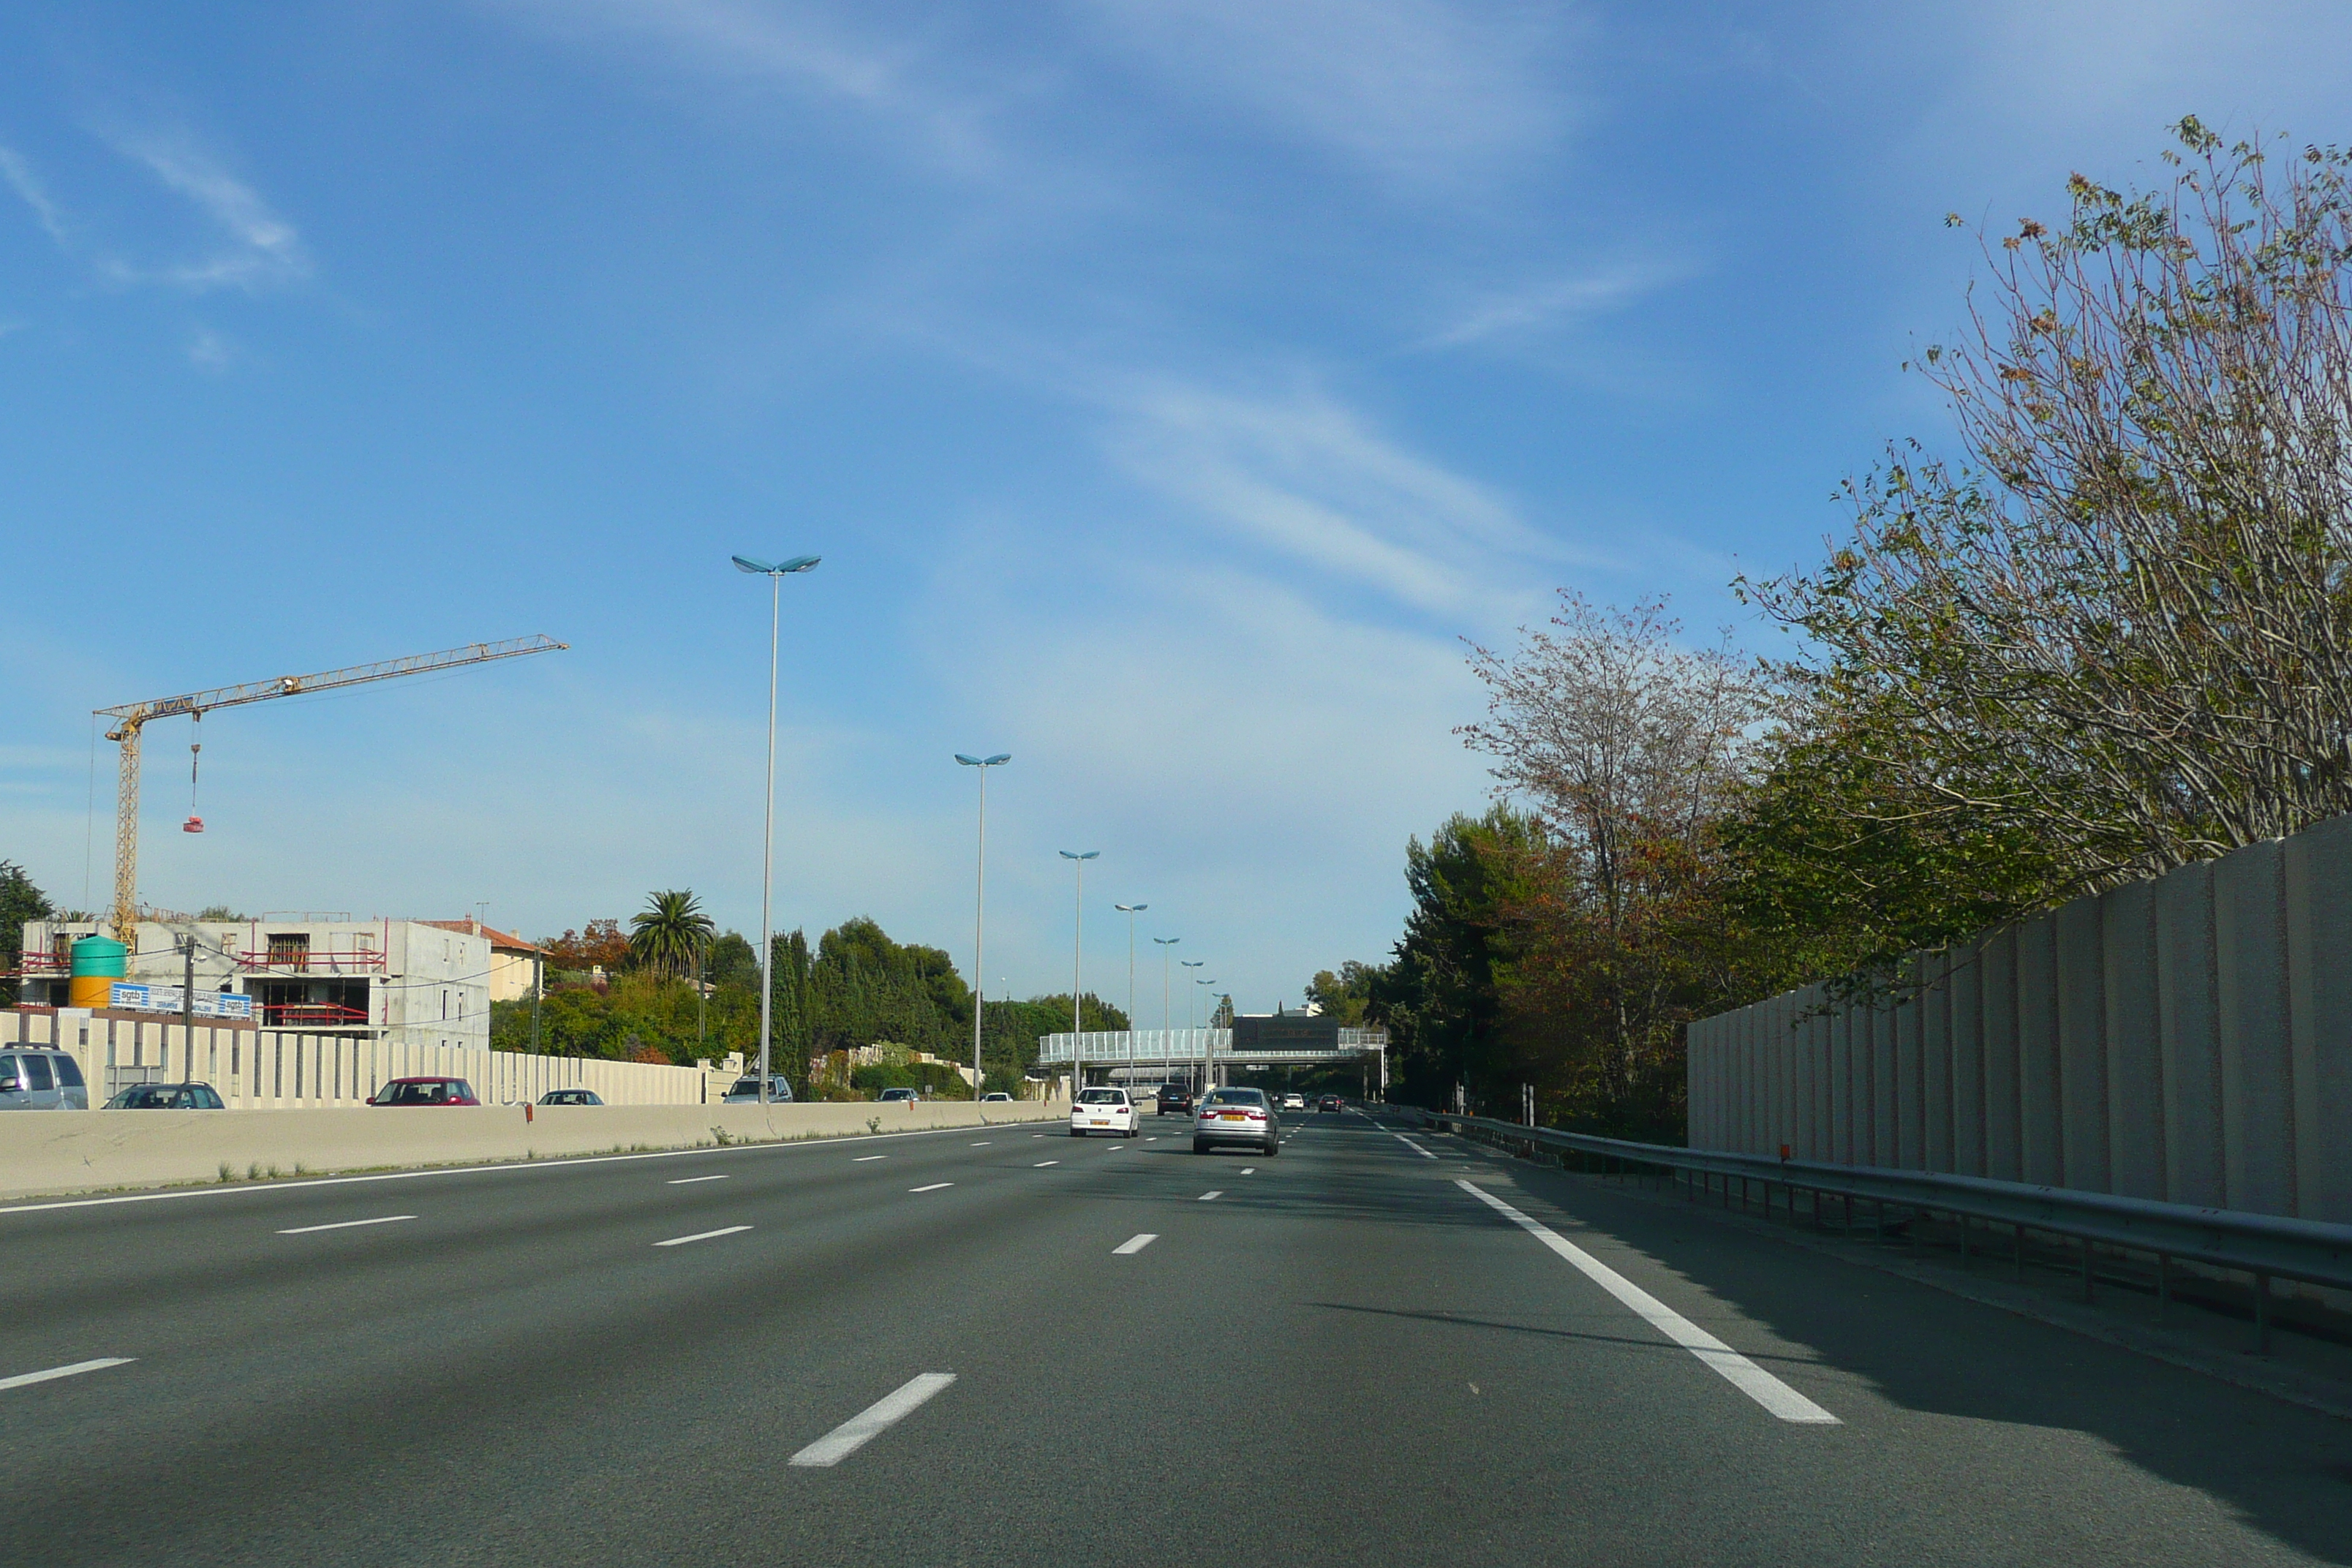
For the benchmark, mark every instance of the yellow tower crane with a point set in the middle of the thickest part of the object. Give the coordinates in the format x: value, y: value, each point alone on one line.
x: 132, y: 717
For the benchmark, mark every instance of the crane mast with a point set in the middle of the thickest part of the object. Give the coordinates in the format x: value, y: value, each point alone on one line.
x: 130, y: 718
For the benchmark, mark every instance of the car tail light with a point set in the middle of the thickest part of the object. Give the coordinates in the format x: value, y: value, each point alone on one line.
x: 1256, y: 1115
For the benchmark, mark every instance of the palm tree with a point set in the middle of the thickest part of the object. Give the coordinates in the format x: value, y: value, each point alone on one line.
x: 671, y: 933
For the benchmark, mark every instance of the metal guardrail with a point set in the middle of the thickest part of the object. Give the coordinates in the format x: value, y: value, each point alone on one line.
x: 2267, y: 1246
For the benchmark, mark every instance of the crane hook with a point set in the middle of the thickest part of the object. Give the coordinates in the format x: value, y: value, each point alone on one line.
x: 195, y: 750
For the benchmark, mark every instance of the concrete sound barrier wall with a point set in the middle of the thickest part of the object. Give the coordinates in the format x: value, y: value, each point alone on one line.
x: 2187, y: 1039
x: 49, y: 1152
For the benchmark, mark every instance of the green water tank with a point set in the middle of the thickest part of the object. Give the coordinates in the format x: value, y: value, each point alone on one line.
x: 99, y: 955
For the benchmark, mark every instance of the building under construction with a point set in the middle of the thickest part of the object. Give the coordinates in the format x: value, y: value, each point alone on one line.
x: 419, y: 982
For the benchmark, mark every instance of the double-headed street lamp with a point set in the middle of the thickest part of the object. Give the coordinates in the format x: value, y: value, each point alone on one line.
x: 979, y: 907
x: 1190, y: 1006
x: 1130, y: 911
x: 1208, y: 1047
x: 775, y: 574
x: 1077, y: 964
x: 1165, y: 943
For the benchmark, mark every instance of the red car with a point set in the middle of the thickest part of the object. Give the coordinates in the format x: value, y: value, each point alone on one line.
x: 424, y: 1091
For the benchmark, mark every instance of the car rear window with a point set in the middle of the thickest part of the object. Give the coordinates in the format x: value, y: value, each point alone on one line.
x: 1238, y: 1096
x: 1101, y: 1096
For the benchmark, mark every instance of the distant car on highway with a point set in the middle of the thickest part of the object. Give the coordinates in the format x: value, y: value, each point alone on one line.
x: 900, y: 1097
x: 996, y: 1097
x: 166, y: 1097
x: 1104, y: 1110
x: 1236, y: 1116
x: 1173, y: 1099
x: 424, y: 1091
x: 746, y: 1090
x: 572, y: 1097
x: 1331, y: 1102
x: 32, y: 1078
x: 1294, y: 1101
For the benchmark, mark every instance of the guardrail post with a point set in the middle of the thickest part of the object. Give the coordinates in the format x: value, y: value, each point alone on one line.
x: 2261, y: 1314
x: 2163, y: 1284
x: 2087, y: 1254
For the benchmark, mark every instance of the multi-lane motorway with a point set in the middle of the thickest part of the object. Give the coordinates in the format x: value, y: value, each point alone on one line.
x: 999, y: 1347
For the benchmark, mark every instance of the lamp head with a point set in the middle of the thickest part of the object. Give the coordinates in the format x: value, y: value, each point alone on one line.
x: 799, y: 564
x: 762, y: 569
x: 1000, y: 757
x: 967, y: 761
x: 757, y: 568
x: 1074, y: 855
x: 1130, y: 908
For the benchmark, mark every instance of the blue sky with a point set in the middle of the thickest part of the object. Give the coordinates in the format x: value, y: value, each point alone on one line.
x: 1168, y: 387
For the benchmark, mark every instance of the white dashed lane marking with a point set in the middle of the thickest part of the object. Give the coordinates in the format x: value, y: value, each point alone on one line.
x: 690, y: 1180
x: 872, y: 1421
x: 24, y: 1379
x: 701, y: 1236
x: 934, y: 1187
x: 1134, y: 1244
x: 347, y: 1224
x: 1204, y: 1197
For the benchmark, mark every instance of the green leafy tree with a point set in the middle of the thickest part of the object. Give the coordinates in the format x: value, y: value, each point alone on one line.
x: 20, y: 900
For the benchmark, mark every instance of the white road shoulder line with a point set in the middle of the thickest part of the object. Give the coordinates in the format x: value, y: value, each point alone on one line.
x: 871, y: 1422
x: 1043, y: 1164
x: 934, y: 1187
x: 982, y: 1145
x: 1204, y: 1197
x: 863, y: 1158
x: 1735, y: 1369
x: 690, y: 1180
x: 1412, y: 1146
x: 701, y: 1236
x: 24, y: 1379
x: 1134, y: 1244
x: 347, y: 1224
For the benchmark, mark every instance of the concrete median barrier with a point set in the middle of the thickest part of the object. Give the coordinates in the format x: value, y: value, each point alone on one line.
x: 45, y: 1154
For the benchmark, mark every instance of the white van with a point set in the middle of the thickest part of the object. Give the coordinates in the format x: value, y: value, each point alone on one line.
x: 33, y: 1078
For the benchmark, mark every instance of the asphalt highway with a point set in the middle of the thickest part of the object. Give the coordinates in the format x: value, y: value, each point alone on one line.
x: 1007, y: 1348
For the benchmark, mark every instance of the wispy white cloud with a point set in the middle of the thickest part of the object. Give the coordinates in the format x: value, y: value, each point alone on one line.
x: 208, y: 351
x: 1512, y: 317
x: 262, y: 250
x: 1305, y: 477
x: 793, y: 46
x: 18, y: 171
x: 1419, y: 89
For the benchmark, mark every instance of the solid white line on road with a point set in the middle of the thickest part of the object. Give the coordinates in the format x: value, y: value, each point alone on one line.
x: 1134, y: 1244
x: 690, y: 1180
x: 934, y: 1187
x: 1204, y: 1197
x: 1249, y: 1170
x: 1412, y: 1146
x: 982, y: 1145
x: 701, y: 1236
x: 1152, y: 1139
x: 23, y: 1378
x: 871, y: 1422
x: 347, y: 1224
x: 863, y: 1158
x: 1043, y: 1164
x: 1736, y: 1370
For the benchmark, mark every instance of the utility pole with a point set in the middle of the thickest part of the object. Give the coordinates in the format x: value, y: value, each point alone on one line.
x: 1129, y: 910
x: 1077, y: 966
x: 188, y: 1008
x: 979, y: 911
x: 775, y: 574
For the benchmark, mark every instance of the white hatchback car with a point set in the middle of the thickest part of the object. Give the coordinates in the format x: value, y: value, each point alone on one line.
x: 1103, y: 1110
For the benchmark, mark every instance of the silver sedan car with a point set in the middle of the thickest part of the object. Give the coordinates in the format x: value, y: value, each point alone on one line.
x: 1242, y: 1116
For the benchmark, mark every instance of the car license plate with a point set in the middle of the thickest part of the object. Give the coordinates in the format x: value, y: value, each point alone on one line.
x: 1231, y: 1116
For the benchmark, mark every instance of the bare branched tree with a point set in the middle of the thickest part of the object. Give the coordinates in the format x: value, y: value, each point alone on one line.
x: 2127, y: 629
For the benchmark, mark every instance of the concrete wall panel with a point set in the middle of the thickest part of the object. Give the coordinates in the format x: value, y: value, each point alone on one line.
x: 2189, y: 1037
x: 2078, y: 932
x: 2042, y: 1150
x: 1935, y: 1058
x: 1910, y: 1072
x: 1883, y: 1149
x: 2003, y: 1075
x: 2319, y: 944
x: 2135, y: 1055
x: 2257, y: 1054
x: 1966, y: 984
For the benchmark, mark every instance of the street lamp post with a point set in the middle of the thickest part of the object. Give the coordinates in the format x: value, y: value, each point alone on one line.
x: 1208, y: 1047
x: 775, y: 574
x: 1130, y: 911
x: 980, y: 910
x: 1165, y: 943
x: 1078, y: 963
x: 1190, y: 1007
